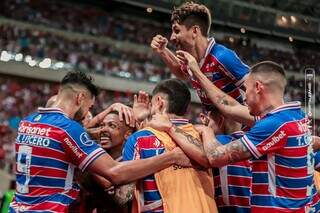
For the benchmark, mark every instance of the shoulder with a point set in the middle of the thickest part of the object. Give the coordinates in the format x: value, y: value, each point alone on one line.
x: 140, y: 134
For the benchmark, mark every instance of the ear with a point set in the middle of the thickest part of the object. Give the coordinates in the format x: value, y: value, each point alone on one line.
x: 162, y: 105
x: 127, y: 134
x: 79, y: 98
x: 259, y: 86
x: 195, y: 30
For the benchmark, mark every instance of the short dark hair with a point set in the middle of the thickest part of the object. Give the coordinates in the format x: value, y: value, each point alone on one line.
x: 268, y: 66
x: 269, y: 69
x: 80, y: 78
x: 190, y: 14
x: 178, y: 95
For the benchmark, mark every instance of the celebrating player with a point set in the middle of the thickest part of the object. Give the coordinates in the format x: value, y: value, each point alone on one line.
x: 190, y: 29
x: 51, y: 143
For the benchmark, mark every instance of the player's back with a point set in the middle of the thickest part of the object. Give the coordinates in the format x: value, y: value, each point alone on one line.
x: 44, y: 174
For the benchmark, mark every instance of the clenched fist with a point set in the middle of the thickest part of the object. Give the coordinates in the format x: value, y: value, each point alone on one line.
x: 159, y: 43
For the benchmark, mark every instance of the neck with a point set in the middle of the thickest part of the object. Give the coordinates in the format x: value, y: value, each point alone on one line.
x: 274, y: 102
x: 115, y: 152
x: 64, y: 105
x: 201, y: 48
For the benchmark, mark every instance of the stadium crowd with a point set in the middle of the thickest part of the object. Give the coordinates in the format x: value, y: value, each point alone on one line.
x: 98, y: 22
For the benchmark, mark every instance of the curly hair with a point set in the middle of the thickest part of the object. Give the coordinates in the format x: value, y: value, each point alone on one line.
x: 190, y: 14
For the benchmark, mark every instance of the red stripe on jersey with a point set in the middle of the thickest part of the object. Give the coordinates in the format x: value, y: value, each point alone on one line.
x: 261, y: 166
x: 291, y: 172
x: 49, y: 153
x: 41, y: 191
x: 52, y: 206
x: 255, y: 209
x: 261, y: 189
x: 150, y: 185
x: 49, y: 172
x: 150, y: 142
x: 239, y: 181
x: 241, y: 201
x: 294, y: 152
x: 291, y: 193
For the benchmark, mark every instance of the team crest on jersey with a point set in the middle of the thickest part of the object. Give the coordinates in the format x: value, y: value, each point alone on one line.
x: 86, y: 140
x: 37, y: 118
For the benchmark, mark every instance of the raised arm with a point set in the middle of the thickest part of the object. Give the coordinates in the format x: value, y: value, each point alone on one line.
x: 227, y: 105
x: 125, y: 113
x: 159, y: 46
x: 221, y: 155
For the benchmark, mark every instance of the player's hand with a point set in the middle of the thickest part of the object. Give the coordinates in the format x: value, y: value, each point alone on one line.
x: 95, y: 133
x: 186, y: 59
x: 125, y: 113
x: 181, y: 158
x: 141, y: 106
x: 160, y: 121
x: 159, y: 44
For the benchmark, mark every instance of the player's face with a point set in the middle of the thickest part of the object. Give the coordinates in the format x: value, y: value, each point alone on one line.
x: 252, y: 99
x: 182, y: 37
x: 85, y: 105
x: 114, y: 131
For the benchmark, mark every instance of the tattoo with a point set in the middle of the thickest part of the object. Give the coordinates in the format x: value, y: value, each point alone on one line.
x: 225, y: 154
x: 223, y: 101
x: 124, y: 193
x: 190, y: 138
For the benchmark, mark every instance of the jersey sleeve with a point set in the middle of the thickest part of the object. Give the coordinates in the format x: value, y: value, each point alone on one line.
x: 140, y: 145
x: 235, y: 68
x: 79, y: 147
x: 128, y: 151
x: 266, y: 136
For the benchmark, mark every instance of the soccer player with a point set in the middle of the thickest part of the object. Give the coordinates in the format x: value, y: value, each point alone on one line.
x: 112, y: 136
x: 175, y: 189
x: 279, y: 145
x: 190, y: 30
x: 51, y: 143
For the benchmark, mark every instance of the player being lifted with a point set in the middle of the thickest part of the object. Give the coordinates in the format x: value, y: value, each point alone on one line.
x: 190, y: 30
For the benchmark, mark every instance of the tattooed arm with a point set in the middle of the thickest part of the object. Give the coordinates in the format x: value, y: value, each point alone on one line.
x: 227, y: 105
x: 124, y: 194
x: 190, y: 145
x: 221, y: 155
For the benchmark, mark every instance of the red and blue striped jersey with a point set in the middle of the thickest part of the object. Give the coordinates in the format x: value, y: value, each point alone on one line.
x: 225, y: 69
x: 233, y: 181
x: 283, y: 163
x: 144, y: 144
x: 49, y: 145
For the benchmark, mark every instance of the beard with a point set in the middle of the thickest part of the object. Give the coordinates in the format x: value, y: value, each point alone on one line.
x: 79, y: 115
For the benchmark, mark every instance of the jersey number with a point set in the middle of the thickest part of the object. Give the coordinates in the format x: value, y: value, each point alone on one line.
x: 23, y: 168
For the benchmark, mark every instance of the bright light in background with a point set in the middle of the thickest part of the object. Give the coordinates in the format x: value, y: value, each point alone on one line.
x: 284, y: 19
x: 149, y: 10
x: 231, y: 39
x: 293, y: 19
x: 290, y: 39
x: 5, y: 56
x: 46, y: 63
x: 243, y: 30
x: 18, y: 57
x: 32, y: 63
x: 28, y: 58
